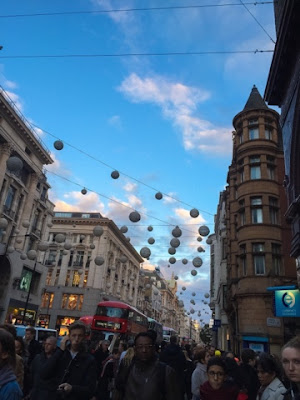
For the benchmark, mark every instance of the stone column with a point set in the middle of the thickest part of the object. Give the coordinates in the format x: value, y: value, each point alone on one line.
x: 5, y: 151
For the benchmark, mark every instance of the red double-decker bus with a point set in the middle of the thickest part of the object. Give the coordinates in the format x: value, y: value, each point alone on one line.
x: 115, y: 320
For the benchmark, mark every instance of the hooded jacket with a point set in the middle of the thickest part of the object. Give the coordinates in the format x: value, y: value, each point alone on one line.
x: 198, y: 378
x: 9, y: 387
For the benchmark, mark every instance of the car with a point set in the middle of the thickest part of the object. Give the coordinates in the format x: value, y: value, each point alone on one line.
x: 40, y: 333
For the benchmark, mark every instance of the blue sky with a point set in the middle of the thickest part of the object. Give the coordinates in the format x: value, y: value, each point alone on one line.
x: 164, y: 122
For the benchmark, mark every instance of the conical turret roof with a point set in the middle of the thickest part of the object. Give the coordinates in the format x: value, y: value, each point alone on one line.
x: 255, y: 101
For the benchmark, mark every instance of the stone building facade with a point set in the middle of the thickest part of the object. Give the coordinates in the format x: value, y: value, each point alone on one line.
x: 283, y: 90
x: 27, y: 212
x: 218, y: 277
x: 76, y: 282
x: 258, y: 236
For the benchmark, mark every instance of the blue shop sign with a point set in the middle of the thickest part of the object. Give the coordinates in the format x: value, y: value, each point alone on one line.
x: 287, y: 303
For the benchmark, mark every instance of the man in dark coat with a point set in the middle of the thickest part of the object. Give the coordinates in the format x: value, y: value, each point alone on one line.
x: 249, y: 379
x: 146, y: 378
x: 33, y: 347
x: 173, y: 356
x: 73, y: 367
x: 43, y: 388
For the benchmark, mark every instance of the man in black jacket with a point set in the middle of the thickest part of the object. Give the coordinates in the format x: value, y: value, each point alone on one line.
x: 43, y: 388
x: 249, y: 379
x: 174, y: 357
x: 32, y: 345
x: 73, y: 367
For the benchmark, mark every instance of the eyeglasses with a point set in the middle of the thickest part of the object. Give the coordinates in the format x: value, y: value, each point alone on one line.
x: 217, y: 374
x: 144, y: 346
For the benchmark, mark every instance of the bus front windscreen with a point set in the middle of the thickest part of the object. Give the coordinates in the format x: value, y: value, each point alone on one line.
x: 112, y: 312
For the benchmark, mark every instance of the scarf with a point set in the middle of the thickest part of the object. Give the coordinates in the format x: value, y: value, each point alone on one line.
x: 224, y: 393
x: 6, y: 375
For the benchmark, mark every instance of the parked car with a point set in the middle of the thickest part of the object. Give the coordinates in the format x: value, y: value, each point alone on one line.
x: 40, y: 333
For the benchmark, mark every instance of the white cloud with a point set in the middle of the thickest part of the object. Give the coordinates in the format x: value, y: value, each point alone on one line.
x: 115, y: 121
x: 170, y: 198
x: 10, y: 84
x: 57, y: 166
x: 15, y: 99
x: 179, y: 104
x: 130, y: 187
x: 76, y: 201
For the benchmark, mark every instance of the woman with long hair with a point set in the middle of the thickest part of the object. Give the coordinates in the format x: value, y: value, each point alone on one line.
x: 268, y: 372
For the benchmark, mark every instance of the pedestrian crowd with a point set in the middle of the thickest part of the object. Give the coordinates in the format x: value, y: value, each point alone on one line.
x: 140, y: 369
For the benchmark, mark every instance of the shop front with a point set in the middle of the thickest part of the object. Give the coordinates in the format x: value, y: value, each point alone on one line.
x: 15, y: 313
x: 63, y: 323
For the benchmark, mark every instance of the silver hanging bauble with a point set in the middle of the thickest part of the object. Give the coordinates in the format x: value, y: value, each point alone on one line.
x: 3, y: 223
x: 197, y: 262
x: 124, y: 229
x: 68, y: 245
x: 145, y: 252
x: 193, y: 294
x: 123, y: 259
x: 23, y: 256
x: 209, y: 241
x: 148, y: 286
x: 115, y: 174
x: 194, y: 272
x: 134, y: 216
x: 98, y: 230
x: 10, y: 249
x: 158, y: 196
x: 172, y: 260
x: 99, y: 260
x: 83, y: 191
x: 194, y: 213
x: 31, y: 255
x: 176, y: 232
x: 14, y: 164
x: 172, y: 251
x: 60, y: 238
x: 203, y: 230
x: 183, y: 288
x: 58, y: 145
x: 200, y: 249
x: 113, y: 268
x: 176, y: 277
x: 128, y: 239
x: 92, y: 246
x: 199, y: 238
x: 175, y: 242
x: 80, y: 271
x: 43, y: 246
x: 206, y: 295
x: 151, y: 240
x: 150, y: 228
x: 184, y: 261
x: 82, y: 237
x: 65, y: 252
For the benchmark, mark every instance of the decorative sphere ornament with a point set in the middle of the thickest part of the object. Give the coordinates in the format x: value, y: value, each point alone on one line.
x: 115, y: 174
x: 180, y: 304
x: 180, y: 293
x: 148, y: 286
x: 43, y: 246
x: 134, y: 216
x: 199, y: 238
x: 123, y: 259
x: 203, y: 230
x: 99, y: 260
x: 108, y: 285
x: 150, y: 228
x: 188, y: 313
x: 132, y: 278
x: 23, y: 256
x: 184, y: 261
x: 193, y: 294
x: 67, y: 245
x: 176, y: 277
x: 80, y: 271
x: 206, y: 295
x: 83, y: 191
x: 58, y: 145
x: 19, y: 240
x: 192, y: 311
x: 176, y: 232
x: 200, y: 249
x: 128, y: 239
x: 194, y: 213
x: 151, y: 240
x: 26, y: 224
x: 92, y: 246
x: 82, y: 237
x: 3, y: 223
x: 172, y: 251
x: 194, y: 272
x: 130, y: 299
x: 98, y: 230
x: 209, y: 241
x: 192, y: 302
x: 183, y: 288
x: 124, y: 229
x: 197, y: 262
x: 145, y: 252
x: 60, y: 238
x: 172, y: 260
x: 65, y: 252
x: 113, y: 268
x: 31, y: 254
x: 10, y: 249
x: 158, y: 196
x: 175, y: 242
x: 14, y: 164
x: 50, y: 224
x: 17, y: 231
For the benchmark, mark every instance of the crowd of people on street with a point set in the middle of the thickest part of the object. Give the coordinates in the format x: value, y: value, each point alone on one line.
x: 141, y: 369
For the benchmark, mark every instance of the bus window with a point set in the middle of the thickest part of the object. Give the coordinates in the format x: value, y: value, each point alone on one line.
x: 112, y: 312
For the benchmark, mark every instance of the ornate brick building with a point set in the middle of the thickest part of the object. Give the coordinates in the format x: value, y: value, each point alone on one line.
x: 258, y: 236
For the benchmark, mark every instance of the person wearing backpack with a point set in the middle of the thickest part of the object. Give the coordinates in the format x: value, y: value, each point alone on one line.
x: 146, y: 377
